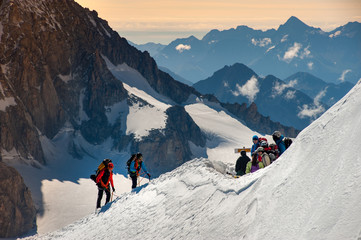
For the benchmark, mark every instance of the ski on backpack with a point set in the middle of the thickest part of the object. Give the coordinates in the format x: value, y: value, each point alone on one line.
x: 233, y: 175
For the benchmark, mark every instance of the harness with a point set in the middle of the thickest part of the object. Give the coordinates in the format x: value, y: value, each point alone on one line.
x: 137, y: 167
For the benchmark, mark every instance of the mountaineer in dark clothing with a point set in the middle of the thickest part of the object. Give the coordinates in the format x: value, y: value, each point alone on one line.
x: 242, y: 163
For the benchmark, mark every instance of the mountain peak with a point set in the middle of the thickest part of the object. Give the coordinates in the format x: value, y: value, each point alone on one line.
x: 294, y: 20
x: 293, y: 23
x: 237, y: 69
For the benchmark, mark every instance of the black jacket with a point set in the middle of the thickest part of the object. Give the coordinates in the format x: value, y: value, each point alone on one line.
x: 242, y: 163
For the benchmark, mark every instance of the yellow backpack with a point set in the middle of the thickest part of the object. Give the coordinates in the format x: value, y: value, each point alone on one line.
x: 101, y: 166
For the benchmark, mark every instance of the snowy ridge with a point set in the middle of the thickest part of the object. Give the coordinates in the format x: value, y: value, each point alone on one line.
x: 169, y: 207
x: 138, y: 86
x: 311, y: 192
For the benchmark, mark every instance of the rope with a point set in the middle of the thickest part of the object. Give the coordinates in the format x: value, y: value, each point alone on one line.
x: 139, y: 181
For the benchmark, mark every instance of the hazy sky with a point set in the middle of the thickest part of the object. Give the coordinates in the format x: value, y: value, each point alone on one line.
x: 162, y: 21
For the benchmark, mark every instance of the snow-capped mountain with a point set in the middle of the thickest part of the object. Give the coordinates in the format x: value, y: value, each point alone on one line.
x: 65, y: 67
x: 274, y: 98
x: 311, y: 192
x: 294, y: 47
x: 328, y: 93
x: 73, y: 92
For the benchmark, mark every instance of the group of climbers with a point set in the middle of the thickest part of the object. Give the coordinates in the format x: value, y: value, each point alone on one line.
x: 104, y: 175
x: 263, y: 154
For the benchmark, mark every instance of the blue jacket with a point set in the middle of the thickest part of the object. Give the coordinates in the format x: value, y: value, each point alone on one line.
x: 142, y: 166
x: 281, y: 145
x: 254, y: 147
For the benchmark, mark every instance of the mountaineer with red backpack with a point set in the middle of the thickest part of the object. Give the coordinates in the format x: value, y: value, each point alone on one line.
x: 104, y: 177
x: 266, y: 160
x: 270, y: 149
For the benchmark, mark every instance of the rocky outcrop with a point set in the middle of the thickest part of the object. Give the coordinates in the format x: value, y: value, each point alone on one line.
x: 169, y: 149
x: 17, y: 209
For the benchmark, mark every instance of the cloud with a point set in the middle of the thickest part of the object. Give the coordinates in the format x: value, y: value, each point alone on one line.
x: 279, y: 87
x: 316, y: 109
x: 310, y: 111
x: 284, y: 38
x: 249, y: 89
x: 320, y: 95
x: 310, y: 65
x: 290, y: 94
x: 306, y: 53
x: 292, y: 52
x: 270, y: 48
x: 343, y: 75
x: 262, y: 42
x: 181, y: 47
x: 334, y: 34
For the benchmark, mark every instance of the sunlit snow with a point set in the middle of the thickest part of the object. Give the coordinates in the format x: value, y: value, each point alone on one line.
x: 311, y: 192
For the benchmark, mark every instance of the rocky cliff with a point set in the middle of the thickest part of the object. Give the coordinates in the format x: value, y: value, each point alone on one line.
x: 17, y: 210
x: 53, y: 70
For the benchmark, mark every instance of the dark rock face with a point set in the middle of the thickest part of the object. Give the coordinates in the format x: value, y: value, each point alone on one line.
x: 169, y: 149
x: 54, y: 70
x: 17, y: 209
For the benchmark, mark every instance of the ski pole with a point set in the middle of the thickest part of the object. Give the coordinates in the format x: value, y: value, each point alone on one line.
x: 116, y: 195
x: 140, y: 180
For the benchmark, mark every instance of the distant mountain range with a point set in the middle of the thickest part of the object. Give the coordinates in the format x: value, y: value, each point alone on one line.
x: 328, y: 93
x: 152, y: 48
x: 275, y: 98
x: 334, y: 56
x: 176, y: 76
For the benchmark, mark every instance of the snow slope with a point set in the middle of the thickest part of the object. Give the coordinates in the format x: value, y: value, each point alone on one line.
x: 311, y: 192
x: 62, y: 190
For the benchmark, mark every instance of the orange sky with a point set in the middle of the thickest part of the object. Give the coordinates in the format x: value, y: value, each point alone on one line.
x: 165, y: 20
